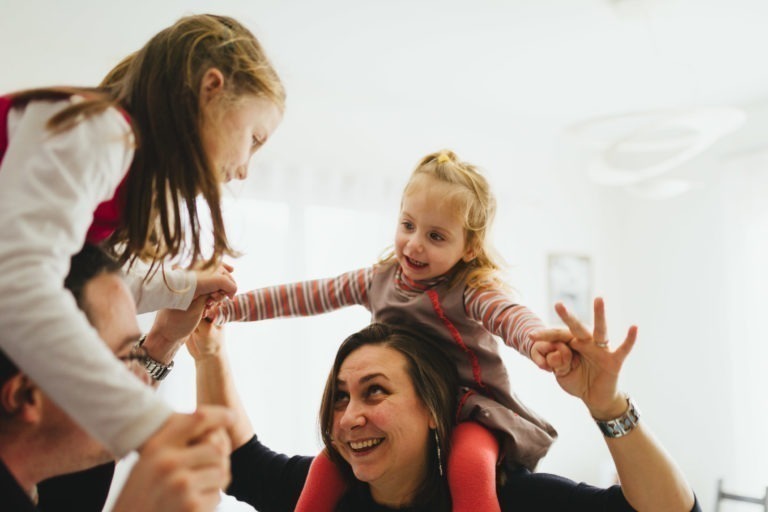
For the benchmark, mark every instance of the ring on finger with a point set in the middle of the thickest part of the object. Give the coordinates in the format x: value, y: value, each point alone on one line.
x: 602, y: 344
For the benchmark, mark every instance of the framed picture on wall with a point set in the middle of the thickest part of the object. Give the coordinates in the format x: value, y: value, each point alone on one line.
x: 570, y: 282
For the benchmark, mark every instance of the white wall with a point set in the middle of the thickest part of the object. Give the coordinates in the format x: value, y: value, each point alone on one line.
x: 373, y: 86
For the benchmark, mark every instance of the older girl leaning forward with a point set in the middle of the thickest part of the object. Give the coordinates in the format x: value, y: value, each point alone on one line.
x: 442, y: 275
x: 122, y: 166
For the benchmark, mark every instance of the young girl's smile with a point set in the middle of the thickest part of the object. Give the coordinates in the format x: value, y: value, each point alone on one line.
x: 430, y: 236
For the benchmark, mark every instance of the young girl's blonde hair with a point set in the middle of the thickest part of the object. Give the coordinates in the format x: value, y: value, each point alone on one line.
x: 471, y: 199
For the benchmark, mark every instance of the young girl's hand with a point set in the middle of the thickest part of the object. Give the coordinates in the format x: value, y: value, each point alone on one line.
x: 219, y: 313
x: 553, y: 355
x: 216, y: 283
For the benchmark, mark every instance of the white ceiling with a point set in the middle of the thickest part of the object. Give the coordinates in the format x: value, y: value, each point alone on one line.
x: 375, y: 84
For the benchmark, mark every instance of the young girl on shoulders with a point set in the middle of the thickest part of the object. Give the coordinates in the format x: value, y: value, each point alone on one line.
x: 442, y: 275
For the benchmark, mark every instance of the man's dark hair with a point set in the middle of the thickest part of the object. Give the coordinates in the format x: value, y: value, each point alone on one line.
x: 90, y: 262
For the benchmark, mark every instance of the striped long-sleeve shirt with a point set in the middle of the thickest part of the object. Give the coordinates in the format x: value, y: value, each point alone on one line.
x: 493, y: 308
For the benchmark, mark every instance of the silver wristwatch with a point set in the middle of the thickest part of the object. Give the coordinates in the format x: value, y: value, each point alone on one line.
x: 157, y: 370
x: 622, y: 425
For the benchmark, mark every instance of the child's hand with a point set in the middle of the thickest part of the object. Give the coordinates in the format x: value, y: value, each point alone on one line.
x: 551, y: 350
x: 217, y: 283
x: 219, y: 313
x: 552, y: 356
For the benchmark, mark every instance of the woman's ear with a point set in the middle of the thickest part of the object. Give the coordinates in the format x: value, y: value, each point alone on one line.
x: 21, y: 398
x: 432, y: 422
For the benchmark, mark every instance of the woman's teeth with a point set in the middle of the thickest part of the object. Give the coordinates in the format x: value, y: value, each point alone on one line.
x: 362, y: 445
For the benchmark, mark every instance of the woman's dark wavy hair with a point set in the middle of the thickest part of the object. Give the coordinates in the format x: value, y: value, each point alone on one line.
x: 158, y: 86
x: 435, y: 380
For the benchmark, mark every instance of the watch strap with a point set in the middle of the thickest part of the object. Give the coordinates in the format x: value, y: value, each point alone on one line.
x: 157, y: 370
x: 623, y: 425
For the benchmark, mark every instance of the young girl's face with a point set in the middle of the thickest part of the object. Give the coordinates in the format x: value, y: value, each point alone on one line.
x: 430, y: 236
x: 233, y: 132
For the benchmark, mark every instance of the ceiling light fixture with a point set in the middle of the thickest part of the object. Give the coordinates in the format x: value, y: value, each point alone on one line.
x: 634, y: 147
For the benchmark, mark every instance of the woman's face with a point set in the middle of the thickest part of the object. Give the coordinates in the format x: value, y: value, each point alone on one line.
x: 232, y: 132
x: 380, y: 426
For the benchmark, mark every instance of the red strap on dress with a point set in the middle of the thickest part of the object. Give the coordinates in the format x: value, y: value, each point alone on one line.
x: 108, y: 215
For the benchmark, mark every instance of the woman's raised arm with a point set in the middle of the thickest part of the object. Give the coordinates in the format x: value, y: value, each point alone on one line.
x: 650, y: 479
x: 215, y: 384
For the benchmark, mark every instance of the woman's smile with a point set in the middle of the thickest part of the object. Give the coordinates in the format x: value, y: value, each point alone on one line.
x: 365, y: 446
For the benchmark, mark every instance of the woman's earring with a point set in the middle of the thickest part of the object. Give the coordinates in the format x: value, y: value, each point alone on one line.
x: 439, y: 454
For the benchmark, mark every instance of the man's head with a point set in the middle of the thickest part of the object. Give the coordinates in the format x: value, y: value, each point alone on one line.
x: 27, y: 416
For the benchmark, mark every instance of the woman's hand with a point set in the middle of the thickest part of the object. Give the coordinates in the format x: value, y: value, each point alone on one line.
x: 649, y: 478
x: 206, y: 340
x: 594, y: 367
x: 215, y: 384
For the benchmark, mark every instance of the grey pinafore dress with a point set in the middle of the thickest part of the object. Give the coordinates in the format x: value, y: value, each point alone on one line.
x: 486, y: 395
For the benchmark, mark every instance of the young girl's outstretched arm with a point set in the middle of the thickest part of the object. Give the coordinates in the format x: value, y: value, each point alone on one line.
x: 502, y: 316
x: 305, y: 298
x: 50, y: 186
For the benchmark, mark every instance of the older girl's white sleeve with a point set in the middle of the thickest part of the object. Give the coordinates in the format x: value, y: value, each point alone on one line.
x: 166, y: 288
x: 50, y: 186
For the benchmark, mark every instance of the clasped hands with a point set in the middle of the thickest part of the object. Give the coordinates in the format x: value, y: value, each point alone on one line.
x: 584, y: 363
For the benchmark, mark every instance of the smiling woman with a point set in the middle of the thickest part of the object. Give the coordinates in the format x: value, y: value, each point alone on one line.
x: 388, y: 409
